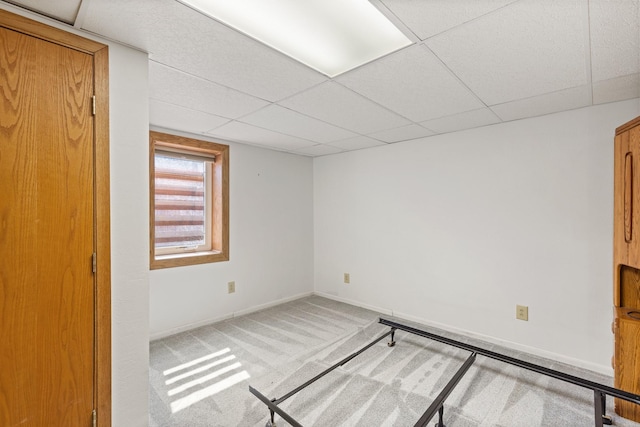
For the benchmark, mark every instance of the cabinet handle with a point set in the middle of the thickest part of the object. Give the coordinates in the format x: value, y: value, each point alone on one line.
x: 628, y: 196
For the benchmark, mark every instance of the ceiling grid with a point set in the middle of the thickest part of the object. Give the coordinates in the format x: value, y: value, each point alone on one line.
x: 471, y: 63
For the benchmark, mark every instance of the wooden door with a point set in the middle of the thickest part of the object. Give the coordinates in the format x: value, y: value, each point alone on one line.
x: 47, y: 285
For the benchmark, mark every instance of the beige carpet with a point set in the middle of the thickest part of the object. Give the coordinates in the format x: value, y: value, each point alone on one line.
x: 201, y: 377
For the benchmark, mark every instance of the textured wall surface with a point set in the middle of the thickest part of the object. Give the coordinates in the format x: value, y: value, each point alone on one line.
x: 129, y: 235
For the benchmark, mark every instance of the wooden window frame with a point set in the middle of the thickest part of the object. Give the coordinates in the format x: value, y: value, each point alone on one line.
x: 220, y: 200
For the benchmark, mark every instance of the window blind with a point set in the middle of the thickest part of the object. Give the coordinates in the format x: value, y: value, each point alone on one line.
x: 180, y: 201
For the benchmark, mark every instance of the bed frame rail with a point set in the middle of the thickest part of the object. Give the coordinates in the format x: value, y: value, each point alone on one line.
x: 600, y: 391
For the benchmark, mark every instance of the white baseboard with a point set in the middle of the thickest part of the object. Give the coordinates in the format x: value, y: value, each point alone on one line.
x: 601, y: 369
x: 190, y: 326
x: 381, y: 310
x: 271, y: 304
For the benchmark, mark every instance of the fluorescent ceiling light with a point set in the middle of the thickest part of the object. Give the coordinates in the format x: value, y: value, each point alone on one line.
x: 331, y: 36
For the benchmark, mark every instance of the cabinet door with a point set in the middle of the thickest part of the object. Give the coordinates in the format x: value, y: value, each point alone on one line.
x: 626, y: 201
x: 627, y: 360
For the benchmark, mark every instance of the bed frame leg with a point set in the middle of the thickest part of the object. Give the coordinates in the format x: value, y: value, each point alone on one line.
x: 272, y: 421
x: 392, y: 343
x: 600, y: 404
x: 440, y: 422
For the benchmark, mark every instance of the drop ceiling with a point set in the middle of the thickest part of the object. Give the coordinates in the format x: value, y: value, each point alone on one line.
x: 472, y: 63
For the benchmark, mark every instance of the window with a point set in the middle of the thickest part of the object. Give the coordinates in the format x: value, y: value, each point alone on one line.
x: 189, y: 196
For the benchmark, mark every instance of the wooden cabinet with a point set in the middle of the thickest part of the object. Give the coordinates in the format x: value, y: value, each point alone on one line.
x: 626, y: 253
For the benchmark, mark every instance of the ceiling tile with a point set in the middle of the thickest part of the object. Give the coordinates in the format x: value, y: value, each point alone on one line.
x: 280, y: 119
x: 317, y: 150
x: 179, y: 118
x: 403, y: 133
x: 342, y: 107
x: 62, y: 10
x: 467, y: 120
x: 617, y: 89
x: 567, y: 99
x: 178, y: 36
x: 428, y: 18
x: 175, y: 87
x: 356, y: 143
x: 528, y: 48
x: 615, y: 38
x: 412, y: 82
x: 242, y: 132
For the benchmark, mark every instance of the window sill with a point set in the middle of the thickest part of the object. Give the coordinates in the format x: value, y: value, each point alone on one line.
x: 184, y: 259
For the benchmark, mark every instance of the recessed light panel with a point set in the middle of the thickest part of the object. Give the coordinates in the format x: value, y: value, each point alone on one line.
x: 330, y: 36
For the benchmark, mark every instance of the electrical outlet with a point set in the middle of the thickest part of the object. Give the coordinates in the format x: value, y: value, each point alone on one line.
x: 347, y: 278
x: 522, y: 312
x: 231, y: 287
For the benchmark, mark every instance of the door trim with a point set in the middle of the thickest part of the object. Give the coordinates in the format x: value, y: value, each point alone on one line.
x: 102, y: 226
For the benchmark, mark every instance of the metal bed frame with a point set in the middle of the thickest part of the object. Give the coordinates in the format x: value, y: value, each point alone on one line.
x: 600, y: 391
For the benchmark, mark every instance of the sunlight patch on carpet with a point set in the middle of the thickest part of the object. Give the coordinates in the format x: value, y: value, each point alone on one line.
x: 211, y: 390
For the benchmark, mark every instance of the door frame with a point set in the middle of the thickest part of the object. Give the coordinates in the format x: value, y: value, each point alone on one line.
x: 102, y: 225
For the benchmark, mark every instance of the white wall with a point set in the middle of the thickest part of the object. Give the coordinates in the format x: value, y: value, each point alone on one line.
x: 128, y: 75
x: 129, y: 120
x: 271, y: 246
x: 455, y: 230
